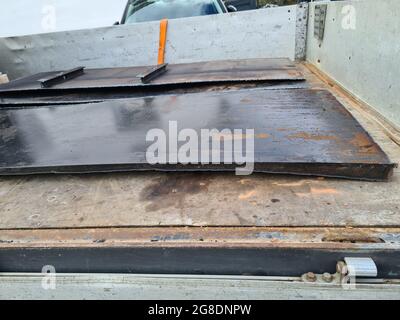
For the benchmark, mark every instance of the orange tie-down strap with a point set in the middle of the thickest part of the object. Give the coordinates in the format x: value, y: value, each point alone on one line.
x: 163, y: 40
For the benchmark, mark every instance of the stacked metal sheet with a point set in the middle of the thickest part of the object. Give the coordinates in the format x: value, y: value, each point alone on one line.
x: 293, y: 130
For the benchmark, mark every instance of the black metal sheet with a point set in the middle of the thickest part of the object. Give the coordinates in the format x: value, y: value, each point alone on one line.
x: 37, y: 98
x: 301, y: 131
x: 190, y: 73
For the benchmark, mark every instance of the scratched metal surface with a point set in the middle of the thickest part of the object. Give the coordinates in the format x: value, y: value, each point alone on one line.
x: 190, y: 73
x: 302, y: 131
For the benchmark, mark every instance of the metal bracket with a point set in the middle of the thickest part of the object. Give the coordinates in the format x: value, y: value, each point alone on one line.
x: 350, y: 267
x: 153, y: 73
x: 61, y: 77
x: 361, y: 267
x: 319, y: 20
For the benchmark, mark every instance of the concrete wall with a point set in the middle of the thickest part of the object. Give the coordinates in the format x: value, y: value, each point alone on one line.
x: 361, y: 51
x: 23, y: 17
x: 264, y: 33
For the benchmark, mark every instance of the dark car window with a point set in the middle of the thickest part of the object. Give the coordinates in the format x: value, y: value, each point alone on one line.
x: 150, y: 10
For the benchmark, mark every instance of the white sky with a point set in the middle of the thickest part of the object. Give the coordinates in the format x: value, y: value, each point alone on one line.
x: 22, y: 17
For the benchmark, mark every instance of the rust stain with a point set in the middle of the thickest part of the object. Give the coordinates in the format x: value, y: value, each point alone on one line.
x: 247, y: 195
x: 353, y: 102
x: 226, y: 237
x: 323, y: 191
x: 295, y: 73
x: 227, y: 137
x: 262, y: 136
x: 353, y: 236
x: 317, y: 191
x: 364, y: 143
x: 245, y: 181
x: 308, y: 136
x: 284, y: 129
x: 291, y: 184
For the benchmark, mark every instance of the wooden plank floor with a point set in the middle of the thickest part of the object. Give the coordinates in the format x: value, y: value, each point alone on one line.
x: 168, y: 199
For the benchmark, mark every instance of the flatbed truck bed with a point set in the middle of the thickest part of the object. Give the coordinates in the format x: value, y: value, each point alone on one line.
x: 152, y: 222
x: 215, y: 235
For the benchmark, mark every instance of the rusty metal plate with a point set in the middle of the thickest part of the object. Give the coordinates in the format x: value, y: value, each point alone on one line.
x: 176, y: 74
x: 296, y: 131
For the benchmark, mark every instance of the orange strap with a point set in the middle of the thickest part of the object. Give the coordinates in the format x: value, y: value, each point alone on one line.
x: 163, y: 40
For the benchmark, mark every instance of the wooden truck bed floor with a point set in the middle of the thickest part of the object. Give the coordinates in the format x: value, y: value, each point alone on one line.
x: 154, y: 208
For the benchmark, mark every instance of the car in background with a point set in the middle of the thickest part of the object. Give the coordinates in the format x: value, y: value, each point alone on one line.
x: 242, y: 5
x: 153, y: 10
